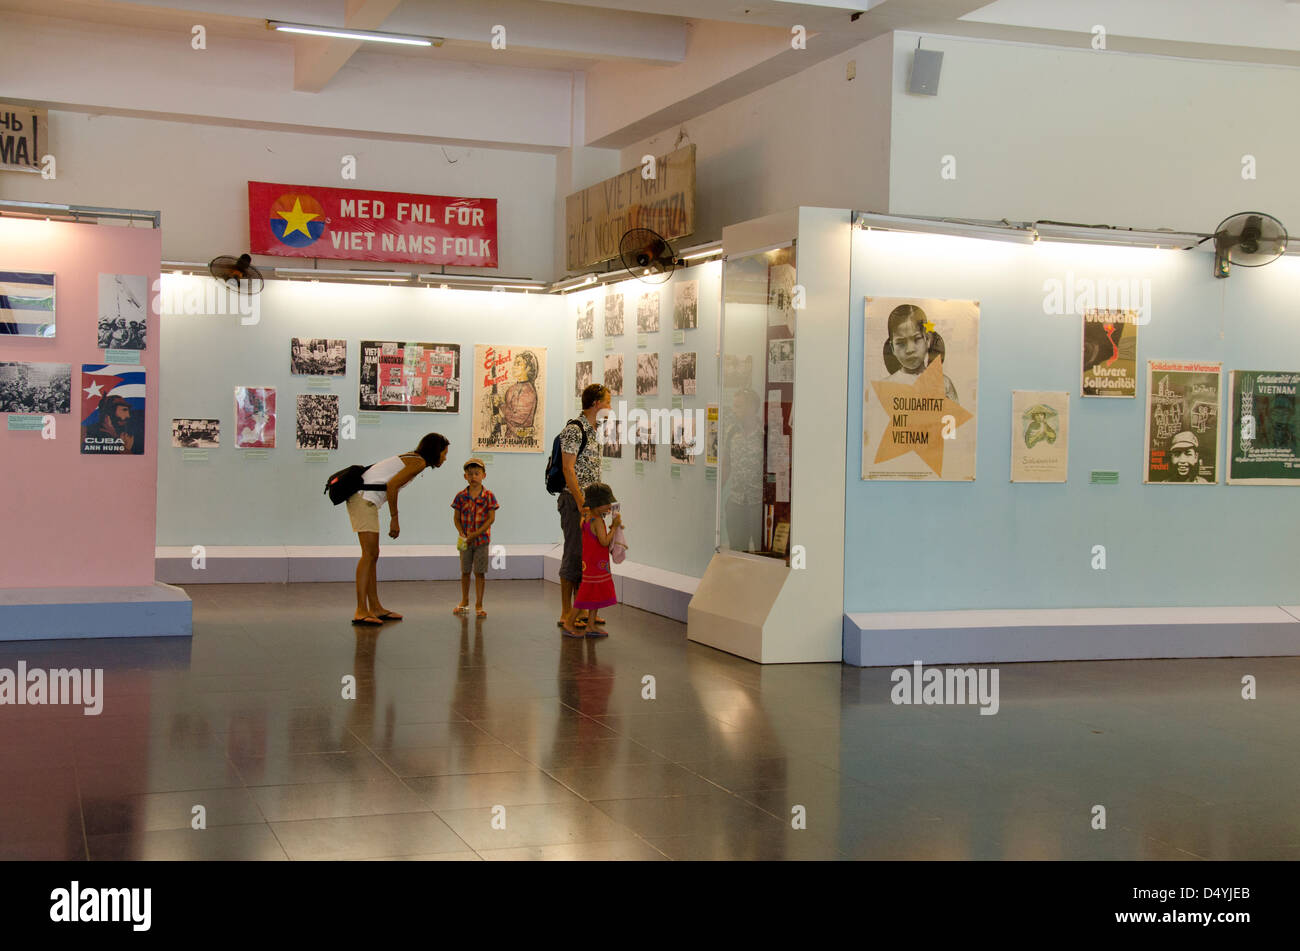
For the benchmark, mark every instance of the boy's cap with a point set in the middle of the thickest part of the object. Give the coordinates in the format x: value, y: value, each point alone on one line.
x: 598, y: 494
x: 476, y: 461
x: 1185, y: 440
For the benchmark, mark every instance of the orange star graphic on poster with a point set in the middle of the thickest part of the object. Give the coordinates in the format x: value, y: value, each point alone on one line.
x: 916, y: 415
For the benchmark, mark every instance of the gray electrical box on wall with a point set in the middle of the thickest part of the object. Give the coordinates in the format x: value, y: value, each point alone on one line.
x: 924, y: 80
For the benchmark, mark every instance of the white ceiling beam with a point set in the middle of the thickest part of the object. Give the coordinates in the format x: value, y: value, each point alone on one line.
x: 317, y: 59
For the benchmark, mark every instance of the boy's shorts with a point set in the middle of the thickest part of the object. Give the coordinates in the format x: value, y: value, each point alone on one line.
x: 475, y: 558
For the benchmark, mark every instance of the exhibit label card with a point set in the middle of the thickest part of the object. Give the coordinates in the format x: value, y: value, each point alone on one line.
x: 122, y: 356
x: 679, y: 336
x: 316, y: 455
x: 921, y: 384
x: 677, y: 471
x: 1264, y: 441
x: 21, y: 422
x: 1040, y: 436
x: 261, y: 454
x: 1182, y: 422
x: 194, y: 455
x: 642, y: 340
x: 368, y: 419
x: 318, y: 383
x: 640, y: 468
x: 1110, y: 353
x: 1104, y: 477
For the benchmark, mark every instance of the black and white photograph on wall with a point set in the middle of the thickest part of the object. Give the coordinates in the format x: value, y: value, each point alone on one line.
x: 684, y: 438
x: 647, y: 313
x: 780, y: 360
x: 647, y: 374
x: 1182, y: 424
x: 196, y: 433
x: 614, y: 373
x: 611, y: 438
x: 683, y: 374
x: 643, y: 449
x: 35, y: 388
x: 123, y: 311
x: 318, y: 356
x: 686, y: 299
x: 582, y: 376
x: 920, y: 366
x: 613, y: 313
x: 318, y: 421
x: 586, y: 319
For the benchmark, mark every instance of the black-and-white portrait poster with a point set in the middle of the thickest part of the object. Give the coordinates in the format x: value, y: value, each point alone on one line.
x: 647, y: 374
x: 586, y: 319
x: 196, y: 433
x: 613, y: 313
x: 582, y: 376
x: 684, y: 374
x: 123, y: 311
x: 614, y: 373
x: 318, y: 421
x: 920, y: 385
x: 318, y: 356
x: 686, y: 299
x: 647, y: 313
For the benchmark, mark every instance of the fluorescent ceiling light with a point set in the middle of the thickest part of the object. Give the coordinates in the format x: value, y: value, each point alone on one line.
x: 479, y: 279
x: 341, y: 272
x: 337, y: 33
x: 962, y: 229
x: 1125, y: 237
x: 702, y: 251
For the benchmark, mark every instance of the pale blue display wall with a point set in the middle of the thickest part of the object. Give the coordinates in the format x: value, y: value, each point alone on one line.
x: 670, y: 521
x: 992, y: 544
x: 230, y: 500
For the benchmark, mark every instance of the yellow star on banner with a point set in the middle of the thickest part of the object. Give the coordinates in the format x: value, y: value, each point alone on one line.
x: 297, y: 219
x: 929, y: 326
x: 916, y: 415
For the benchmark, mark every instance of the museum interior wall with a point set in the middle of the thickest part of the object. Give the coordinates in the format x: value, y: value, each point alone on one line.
x: 991, y: 543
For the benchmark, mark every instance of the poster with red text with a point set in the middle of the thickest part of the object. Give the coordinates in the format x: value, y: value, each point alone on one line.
x: 308, y: 221
x: 509, y: 399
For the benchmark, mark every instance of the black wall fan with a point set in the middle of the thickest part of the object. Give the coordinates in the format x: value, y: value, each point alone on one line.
x: 647, y: 256
x: 238, y: 274
x: 1247, y: 239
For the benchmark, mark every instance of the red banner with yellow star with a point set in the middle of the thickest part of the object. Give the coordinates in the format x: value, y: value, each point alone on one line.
x: 921, y: 384
x: 350, y: 224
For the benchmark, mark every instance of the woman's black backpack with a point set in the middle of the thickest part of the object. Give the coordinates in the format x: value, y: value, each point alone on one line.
x: 346, y: 483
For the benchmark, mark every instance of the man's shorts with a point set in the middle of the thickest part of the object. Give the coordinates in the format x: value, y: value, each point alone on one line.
x: 363, y: 513
x: 475, y: 558
x: 571, y: 523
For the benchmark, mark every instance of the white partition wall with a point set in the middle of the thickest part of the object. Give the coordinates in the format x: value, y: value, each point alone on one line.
x: 760, y: 608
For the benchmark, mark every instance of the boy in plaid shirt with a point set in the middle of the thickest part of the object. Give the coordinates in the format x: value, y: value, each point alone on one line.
x: 475, y: 508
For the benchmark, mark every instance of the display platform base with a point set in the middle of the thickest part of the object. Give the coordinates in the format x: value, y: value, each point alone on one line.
x: 734, y: 603
x: 281, y: 565
x: 984, y: 637
x: 661, y: 592
x: 36, y: 614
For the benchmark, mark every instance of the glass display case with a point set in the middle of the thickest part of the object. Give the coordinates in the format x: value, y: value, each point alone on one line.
x: 754, y: 447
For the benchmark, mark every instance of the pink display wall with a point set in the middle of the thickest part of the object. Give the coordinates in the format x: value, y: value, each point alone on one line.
x: 68, y: 519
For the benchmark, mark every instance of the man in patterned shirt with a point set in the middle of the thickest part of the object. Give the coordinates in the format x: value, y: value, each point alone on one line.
x: 475, y: 508
x: 580, y: 471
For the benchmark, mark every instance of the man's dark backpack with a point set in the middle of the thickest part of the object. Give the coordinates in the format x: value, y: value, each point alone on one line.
x: 555, y: 468
x: 346, y: 483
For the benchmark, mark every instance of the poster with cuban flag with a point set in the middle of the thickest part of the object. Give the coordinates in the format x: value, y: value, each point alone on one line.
x: 112, y: 409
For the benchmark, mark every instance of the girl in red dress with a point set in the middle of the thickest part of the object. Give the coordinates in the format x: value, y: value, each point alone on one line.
x: 597, y: 588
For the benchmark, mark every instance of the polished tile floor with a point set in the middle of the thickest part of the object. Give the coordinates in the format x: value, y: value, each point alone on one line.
x: 499, y: 739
